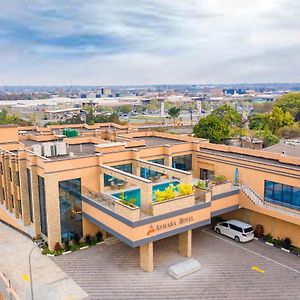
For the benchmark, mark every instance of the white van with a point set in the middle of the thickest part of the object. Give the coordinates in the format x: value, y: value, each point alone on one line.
x: 237, y: 230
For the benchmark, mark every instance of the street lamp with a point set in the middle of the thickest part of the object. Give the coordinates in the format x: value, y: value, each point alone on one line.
x: 30, y: 271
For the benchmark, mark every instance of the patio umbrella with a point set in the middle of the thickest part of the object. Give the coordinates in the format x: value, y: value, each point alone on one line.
x: 236, y: 176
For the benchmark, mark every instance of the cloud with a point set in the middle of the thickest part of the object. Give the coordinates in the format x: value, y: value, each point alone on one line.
x: 148, y: 41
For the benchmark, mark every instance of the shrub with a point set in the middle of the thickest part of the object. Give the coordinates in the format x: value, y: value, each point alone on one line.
x: 99, y: 236
x: 45, y: 251
x: 88, y: 239
x: 67, y: 245
x: 220, y: 179
x: 167, y: 194
x: 57, y: 247
x: 287, y: 243
x: 74, y: 247
x: 200, y: 185
x: 185, y: 189
x: 131, y: 202
x: 76, y: 238
x: 269, y: 238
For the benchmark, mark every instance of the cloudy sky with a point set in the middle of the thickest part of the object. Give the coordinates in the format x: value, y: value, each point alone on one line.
x: 104, y: 42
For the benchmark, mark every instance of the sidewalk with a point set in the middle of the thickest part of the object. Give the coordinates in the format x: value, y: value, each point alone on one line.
x: 49, y: 281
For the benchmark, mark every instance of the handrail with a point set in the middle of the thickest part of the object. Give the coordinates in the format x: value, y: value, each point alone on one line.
x: 256, y: 199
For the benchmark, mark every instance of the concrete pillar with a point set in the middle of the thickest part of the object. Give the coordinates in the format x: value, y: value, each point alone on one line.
x: 53, y: 211
x: 146, y: 197
x: 136, y: 169
x: 35, y: 201
x: 146, y: 257
x: 185, y: 243
x: 101, y: 174
x: 7, y: 183
x: 24, y: 192
x: 168, y: 156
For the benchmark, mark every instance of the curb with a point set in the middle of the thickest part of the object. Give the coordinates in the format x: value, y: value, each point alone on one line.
x: 67, y: 252
x: 270, y: 244
x: 85, y: 247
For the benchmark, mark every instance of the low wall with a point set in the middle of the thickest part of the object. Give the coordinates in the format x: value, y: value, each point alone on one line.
x: 178, y: 203
x: 130, y: 213
x: 202, y: 195
x: 221, y: 188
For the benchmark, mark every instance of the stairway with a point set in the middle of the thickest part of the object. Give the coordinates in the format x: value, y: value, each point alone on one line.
x: 257, y: 200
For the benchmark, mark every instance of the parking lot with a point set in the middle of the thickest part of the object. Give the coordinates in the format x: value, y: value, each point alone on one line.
x: 229, y: 270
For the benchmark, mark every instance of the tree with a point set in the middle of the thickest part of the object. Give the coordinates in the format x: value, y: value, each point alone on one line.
x: 289, y: 132
x: 174, y: 112
x: 125, y: 109
x: 212, y: 128
x: 268, y: 138
x: 228, y: 114
x: 290, y: 103
x: 259, y: 122
x: 278, y: 118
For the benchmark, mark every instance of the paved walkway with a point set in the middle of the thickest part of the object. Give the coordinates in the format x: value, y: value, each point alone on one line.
x: 49, y: 281
x: 229, y: 271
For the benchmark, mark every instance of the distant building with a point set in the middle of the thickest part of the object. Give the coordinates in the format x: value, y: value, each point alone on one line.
x: 106, y: 91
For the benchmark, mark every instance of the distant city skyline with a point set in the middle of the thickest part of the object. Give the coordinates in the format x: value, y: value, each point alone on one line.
x: 129, y: 42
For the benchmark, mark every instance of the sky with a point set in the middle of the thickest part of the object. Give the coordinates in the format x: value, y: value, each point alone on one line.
x: 137, y: 42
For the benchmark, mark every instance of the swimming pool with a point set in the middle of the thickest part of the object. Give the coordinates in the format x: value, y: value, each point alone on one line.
x: 136, y: 193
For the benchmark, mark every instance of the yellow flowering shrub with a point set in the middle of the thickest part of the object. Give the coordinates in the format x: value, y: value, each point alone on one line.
x: 185, y: 189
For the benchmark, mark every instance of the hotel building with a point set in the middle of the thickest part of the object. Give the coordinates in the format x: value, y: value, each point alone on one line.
x: 55, y: 186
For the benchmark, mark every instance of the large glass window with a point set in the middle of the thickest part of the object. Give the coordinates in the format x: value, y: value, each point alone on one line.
x: 29, y: 195
x: 206, y: 174
x: 109, y: 180
x: 146, y: 173
x: 43, y: 210
x: 282, y: 194
x: 70, y: 208
x: 183, y: 162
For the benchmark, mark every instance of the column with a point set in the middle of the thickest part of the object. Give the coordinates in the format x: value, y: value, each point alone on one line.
x: 146, y: 257
x: 24, y: 192
x: 146, y: 198
x: 53, y: 211
x: 35, y: 201
x: 136, y: 169
x: 185, y: 243
x: 168, y: 156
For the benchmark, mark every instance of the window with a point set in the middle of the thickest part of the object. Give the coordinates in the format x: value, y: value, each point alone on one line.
x: 183, y: 162
x: 206, y: 174
x: 18, y: 178
x: 236, y: 228
x: 1, y: 168
x: 108, y: 179
x: 225, y: 225
x: 9, y: 174
x: 70, y: 208
x: 282, y: 194
x: 249, y: 229
x: 159, y: 161
x: 29, y: 195
x: 43, y: 210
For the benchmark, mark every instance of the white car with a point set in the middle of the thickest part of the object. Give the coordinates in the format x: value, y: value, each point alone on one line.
x: 237, y: 230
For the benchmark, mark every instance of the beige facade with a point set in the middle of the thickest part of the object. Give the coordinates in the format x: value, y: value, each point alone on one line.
x: 55, y: 196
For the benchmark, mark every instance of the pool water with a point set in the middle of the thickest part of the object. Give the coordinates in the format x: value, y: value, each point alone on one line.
x: 136, y: 193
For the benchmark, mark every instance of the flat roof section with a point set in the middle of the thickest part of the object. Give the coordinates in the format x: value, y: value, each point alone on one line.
x: 78, y: 150
x: 152, y: 141
x: 283, y: 148
x: 250, y: 158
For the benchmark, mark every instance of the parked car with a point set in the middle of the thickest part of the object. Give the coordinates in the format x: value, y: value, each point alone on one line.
x: 237, y: 230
